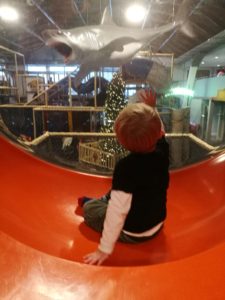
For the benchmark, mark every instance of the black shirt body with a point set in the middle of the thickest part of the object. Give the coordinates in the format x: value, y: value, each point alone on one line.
x: 146, y: 177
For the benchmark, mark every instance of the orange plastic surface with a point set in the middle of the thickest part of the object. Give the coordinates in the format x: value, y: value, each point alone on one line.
x: 42, y: 240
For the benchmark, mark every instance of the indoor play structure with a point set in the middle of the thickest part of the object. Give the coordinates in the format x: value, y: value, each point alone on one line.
x: 89, y: 86
x: 43, y: 237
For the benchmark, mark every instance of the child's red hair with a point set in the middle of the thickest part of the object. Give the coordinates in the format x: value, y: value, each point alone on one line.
x: 138, y: 127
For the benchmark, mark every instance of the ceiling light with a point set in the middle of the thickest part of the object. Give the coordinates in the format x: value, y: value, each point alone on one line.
x: 135, y: 13
x: 216, y: 57
x: 180, y: 91
x: 8, y: 14
x: 202, y: 62
x: 218, y: 65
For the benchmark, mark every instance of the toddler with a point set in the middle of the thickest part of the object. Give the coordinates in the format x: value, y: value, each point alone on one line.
x: 135, y: 208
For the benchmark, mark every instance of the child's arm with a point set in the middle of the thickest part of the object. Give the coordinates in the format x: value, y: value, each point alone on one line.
x: 118, y: 208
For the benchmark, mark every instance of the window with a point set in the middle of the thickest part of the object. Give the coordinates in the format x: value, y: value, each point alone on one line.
x: 57, y: 69
x: 36, y: 68
x: 70, y: 69
x: 131, y: 89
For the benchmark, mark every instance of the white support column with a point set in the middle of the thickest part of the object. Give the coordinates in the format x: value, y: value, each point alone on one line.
x: 190, y: 83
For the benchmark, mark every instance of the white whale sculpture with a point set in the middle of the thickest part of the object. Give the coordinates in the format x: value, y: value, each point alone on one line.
x: 102, y: 45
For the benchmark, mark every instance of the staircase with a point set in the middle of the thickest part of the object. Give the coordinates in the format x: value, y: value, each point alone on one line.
x: 58, y: 93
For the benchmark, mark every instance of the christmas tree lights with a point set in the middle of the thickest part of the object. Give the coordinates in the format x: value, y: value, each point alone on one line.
x: 115, y: 102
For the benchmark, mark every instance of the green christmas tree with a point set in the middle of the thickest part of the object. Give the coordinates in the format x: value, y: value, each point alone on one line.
x: 115, y: 102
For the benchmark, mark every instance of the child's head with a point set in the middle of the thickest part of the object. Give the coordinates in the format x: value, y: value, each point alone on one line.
x: 138, y: 127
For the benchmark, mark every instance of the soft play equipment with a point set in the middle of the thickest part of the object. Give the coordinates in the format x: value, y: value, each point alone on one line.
x: 148, y: 70
x: 86, y: 87
x: 89, y: 86
x: 137, y: 68
x: 43, y: 237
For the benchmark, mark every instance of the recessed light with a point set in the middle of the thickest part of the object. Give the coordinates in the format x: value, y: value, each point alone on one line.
x: 216, y: 57
x: 202, y: 62
x: 8, y: 14
x: 218, y: 65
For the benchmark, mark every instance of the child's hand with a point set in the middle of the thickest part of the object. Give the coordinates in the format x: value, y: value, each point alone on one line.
x: 95, y: 258
x: 148, y: 97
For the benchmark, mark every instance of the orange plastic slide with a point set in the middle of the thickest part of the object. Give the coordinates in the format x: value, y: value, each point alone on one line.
x: 43, y: 237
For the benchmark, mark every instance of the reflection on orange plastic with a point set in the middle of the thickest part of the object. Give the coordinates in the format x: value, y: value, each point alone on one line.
x: 43, y: 237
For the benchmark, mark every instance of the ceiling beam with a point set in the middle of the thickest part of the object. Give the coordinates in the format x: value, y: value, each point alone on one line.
x: 78, y: 11
x: 175, y: 30
x: 45, y: 14
x: 146, y: 14
x: 31, y: 32
x: 11, y: 42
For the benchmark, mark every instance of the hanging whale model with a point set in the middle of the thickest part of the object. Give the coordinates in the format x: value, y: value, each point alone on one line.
x: 106, y: 44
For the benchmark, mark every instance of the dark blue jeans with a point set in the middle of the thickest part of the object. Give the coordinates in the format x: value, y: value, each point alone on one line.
x: 94, y: 216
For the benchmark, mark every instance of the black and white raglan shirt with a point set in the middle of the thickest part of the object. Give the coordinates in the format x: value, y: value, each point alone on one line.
x: 137, y: 203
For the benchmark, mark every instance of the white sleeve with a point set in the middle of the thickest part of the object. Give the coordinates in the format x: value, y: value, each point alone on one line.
x: 117, y: 210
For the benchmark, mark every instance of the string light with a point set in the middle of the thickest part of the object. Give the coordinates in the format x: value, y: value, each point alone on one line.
x: 115, y: 102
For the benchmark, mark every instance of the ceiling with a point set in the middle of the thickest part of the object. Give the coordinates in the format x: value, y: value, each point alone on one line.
x: 205, y: 20
x: 211, y: 52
